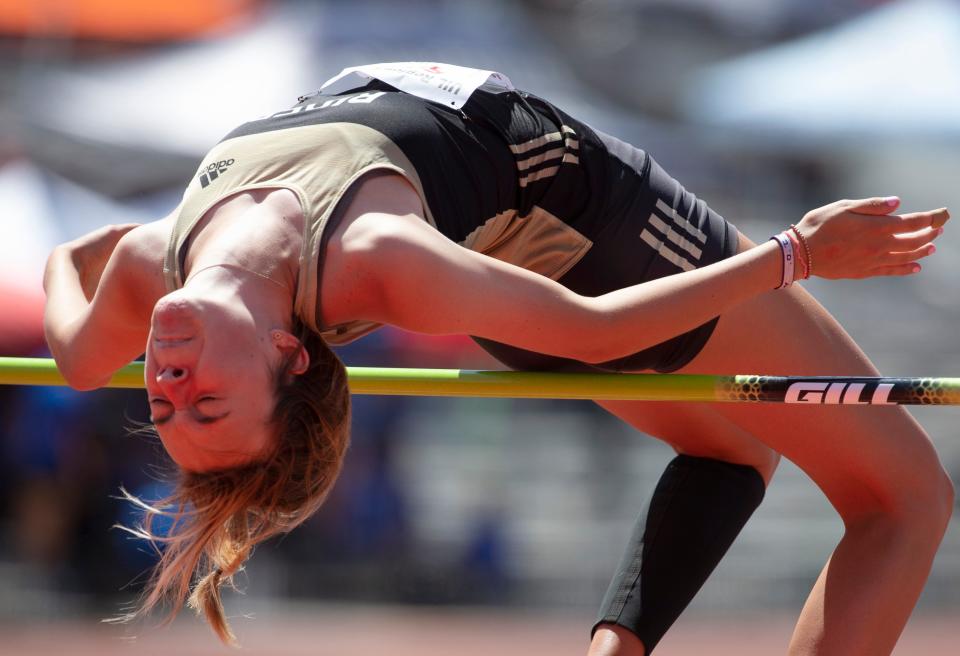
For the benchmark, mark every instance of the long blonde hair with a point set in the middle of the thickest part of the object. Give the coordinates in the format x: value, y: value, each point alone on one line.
x: 217, y: 518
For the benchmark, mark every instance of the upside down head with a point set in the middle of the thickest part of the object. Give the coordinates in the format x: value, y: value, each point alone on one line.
x: 258, y: 426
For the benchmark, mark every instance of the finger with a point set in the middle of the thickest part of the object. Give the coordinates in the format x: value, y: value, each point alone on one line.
x: 910, y: 240
x: 943, y: 215
x: 876, y: 206
x: 917, y: 220
x: 896, y: 270
x: 906, y: 257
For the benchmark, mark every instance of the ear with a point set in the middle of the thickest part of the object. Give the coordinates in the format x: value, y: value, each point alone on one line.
x: 287, y: 343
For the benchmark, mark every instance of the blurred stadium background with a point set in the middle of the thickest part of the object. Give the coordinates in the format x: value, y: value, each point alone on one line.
x: 481, y: 526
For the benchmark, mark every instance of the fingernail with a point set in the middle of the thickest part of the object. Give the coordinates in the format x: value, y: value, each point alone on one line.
x: 933, y: 249
x: 939, y: 231
x: 916, y: 268
x: 891, y: 200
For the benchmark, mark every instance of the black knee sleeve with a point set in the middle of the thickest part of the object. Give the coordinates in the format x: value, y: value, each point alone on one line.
x: 696, y: 512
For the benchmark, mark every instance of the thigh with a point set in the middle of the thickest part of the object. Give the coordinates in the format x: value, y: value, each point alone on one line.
x: 696, y: 429
x: 861, y: 456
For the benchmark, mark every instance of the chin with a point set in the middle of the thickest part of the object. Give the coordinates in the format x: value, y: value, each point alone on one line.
x: 175, y: 317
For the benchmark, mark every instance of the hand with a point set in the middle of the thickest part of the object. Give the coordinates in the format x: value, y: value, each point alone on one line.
x: 91, y: 252
x: 862, y: 238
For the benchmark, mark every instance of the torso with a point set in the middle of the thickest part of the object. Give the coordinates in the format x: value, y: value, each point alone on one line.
x: 143, y: 263
x: 502, y: 177
x: 261, y: 229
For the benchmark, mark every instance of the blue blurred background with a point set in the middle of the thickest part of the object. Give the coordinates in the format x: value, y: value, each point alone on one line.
x: 764, y: 108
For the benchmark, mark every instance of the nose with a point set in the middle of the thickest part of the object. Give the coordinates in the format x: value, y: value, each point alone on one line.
x: 172, y: 380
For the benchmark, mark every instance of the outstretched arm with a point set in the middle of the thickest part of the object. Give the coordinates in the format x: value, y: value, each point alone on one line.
x: 93, y: 317
x: 428, y: 284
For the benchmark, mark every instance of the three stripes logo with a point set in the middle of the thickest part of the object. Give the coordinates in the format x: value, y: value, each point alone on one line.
x: 674, y: 237
x: 213, y: 171
x: 541, y: 157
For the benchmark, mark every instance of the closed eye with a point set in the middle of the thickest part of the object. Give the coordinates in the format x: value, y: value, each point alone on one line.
x: 159, y: 403
x: 199, y: 417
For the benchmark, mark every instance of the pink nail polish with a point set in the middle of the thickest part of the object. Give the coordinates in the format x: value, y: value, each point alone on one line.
x: 891, y: 200
x: 933, y: 249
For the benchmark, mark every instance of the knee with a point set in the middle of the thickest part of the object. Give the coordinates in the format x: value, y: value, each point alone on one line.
x: 933, y: 503
x: 928, y: 503
x: 921, y: 507
x: 767, y: 464
x: 758, y: 456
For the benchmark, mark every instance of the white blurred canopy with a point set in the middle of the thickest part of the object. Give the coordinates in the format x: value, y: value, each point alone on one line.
x: 892, y: 72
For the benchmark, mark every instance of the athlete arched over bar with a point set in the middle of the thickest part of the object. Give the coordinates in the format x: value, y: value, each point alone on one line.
x: 478, y: 209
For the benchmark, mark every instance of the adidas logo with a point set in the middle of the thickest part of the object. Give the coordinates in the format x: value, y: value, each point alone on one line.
x: 213, y: 171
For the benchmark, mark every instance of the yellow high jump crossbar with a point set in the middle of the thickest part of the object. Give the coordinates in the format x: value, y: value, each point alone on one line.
x: 602, y: 386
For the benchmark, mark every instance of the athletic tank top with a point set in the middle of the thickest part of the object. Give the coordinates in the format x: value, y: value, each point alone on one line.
x: 485, y: 171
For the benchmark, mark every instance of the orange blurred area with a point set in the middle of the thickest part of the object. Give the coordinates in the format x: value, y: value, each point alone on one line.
x: 121, y: 20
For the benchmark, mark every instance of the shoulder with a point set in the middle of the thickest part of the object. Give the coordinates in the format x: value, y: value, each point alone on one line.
x: 149, y: 240
x: 383, y: 213
x: 145, y: 244
x: 382, y: 192
x: 383, y: 206
x: 139, y: 258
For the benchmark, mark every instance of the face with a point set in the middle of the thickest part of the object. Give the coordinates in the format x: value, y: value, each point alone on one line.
x: 209, y: 382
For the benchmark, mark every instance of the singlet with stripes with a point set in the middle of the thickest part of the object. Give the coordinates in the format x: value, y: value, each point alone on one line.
x: 507, y: 175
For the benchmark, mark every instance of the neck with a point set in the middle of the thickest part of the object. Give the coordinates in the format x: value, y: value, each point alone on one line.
x: 268, y: 301
x: 260, y: 233
x: 285, y: 286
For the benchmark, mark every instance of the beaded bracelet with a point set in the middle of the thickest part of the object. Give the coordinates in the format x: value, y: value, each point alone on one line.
x: 800, y: 263
x: 806, y: 249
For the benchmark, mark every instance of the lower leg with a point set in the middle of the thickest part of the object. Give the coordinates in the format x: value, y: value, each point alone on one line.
x: 614, y: 640
x: 877, y: 466
x: 697, y: 510
x: 865, y: 593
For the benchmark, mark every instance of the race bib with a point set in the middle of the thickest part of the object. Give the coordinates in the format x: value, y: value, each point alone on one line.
x: 445, y: 84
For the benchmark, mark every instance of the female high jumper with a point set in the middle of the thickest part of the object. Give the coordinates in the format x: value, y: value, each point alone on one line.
x: 442, y: 200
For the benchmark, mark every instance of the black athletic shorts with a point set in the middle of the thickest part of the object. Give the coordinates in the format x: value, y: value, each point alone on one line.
x: 652, y: 227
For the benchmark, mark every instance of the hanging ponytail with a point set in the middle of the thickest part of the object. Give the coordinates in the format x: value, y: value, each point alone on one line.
x: 219, y: 517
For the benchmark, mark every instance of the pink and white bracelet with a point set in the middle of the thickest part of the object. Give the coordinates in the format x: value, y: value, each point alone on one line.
x: 786, y: 249
x: 796, y: 256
